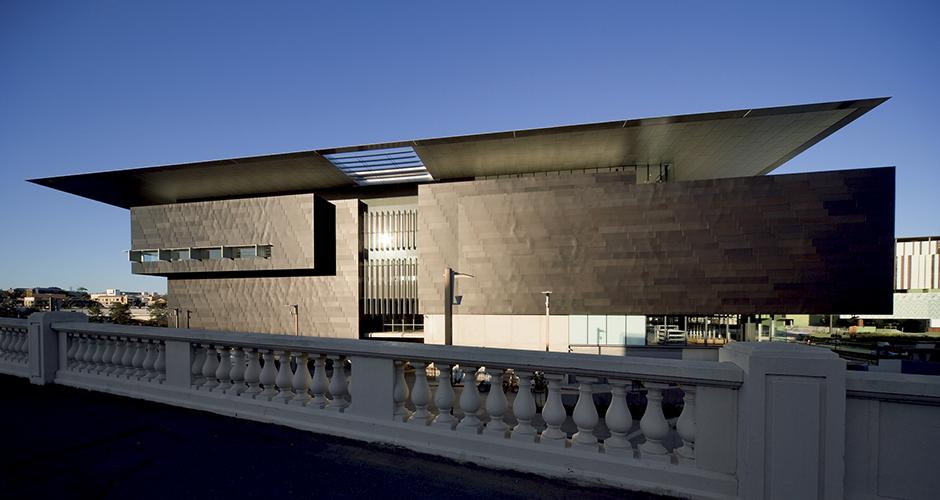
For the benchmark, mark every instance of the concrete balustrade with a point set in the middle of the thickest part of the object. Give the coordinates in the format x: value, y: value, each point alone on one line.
x: 14, y: 347
x: 768, y: 421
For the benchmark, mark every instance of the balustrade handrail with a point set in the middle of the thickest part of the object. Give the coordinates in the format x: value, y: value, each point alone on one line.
x: 14, y: 322
x: 703, y: 373
x: 900, y: 387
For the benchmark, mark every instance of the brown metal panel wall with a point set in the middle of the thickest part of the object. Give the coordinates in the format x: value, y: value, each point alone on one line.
x: 328, y: 305
x: 300, y: 229
x: 802, y: 243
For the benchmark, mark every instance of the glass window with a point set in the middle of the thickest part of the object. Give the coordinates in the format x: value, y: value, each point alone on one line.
x: 636, y: 330
x: 577, y: 330
x: 179, y: 254
x: 207, y: 253
x: 597, y: 330
x: 616, y: 330
x: 243, y: 252
x: 150, y: 256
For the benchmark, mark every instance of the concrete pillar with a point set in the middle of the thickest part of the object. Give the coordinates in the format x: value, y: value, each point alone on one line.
x: 750, y: 332
x: 373, y: 387
x: 179, y: 362
x: 791, y: 420
x: 45, y: 346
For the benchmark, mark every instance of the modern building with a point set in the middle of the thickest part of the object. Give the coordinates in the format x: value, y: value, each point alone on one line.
x: 113, y: 295
x: 916, y: 286
x: 622, y: 221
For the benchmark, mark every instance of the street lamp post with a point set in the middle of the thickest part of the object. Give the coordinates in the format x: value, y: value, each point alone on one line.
x: 449, y: 276
x: 294, y: 313
x: 548, y: 295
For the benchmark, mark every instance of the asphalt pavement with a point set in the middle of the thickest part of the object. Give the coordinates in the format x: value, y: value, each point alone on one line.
x: 63, y: 443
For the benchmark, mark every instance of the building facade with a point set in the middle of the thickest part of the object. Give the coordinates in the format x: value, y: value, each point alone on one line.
x: 619, y: 220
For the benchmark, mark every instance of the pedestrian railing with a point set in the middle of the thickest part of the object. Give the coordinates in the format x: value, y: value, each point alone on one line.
x: 723, y: 443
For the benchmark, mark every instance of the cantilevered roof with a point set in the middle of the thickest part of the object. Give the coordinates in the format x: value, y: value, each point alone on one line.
x: 724, y: 144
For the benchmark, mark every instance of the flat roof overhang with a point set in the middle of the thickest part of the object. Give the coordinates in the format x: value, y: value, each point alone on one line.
x: 723, y: 144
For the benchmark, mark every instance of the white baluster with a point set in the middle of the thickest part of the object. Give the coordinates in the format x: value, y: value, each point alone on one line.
x: 150, y: 361
x: 12, y: 353
x: 9, y: 342
x: 139, y: 356
x: 199, y: 360
x: 420, y: 395
x: 93, y: 350
x: 319, y: 384
x: 470, y: 402
x: 90, y: 354
x: 268, y: 376
x: 80, y: 354
x: 104, y: 365
x: 444, y: 398
x: 13, y: 339
x: 210, y: 367
x: 70, y: 355
x: 224, y: 371
x: 238, y: 372
x: 554, y: 413
x: 685, y: 426
x: 400, y: 393
x: 253, y: 373
x: 496, y: 406
x: 338, y: 385
x: 127, y: 360
x: 618, y: 419
x: 5, y: 337
x: 585, y: 415
x: 120, y: 345
x: 22, y: 347
x: 653, y: 424
x: 96, y: 365
x: 301, y: 380
x: 284, y: 378
x: 160, y: 365
x: 524, y: 409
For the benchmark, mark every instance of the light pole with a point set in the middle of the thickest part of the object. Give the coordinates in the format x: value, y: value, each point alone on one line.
x: 294, y: 313
x: 548, y: 295
x: 449, y: 302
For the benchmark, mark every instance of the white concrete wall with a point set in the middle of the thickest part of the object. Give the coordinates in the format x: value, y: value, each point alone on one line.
x: 502, y: 331
x: 892, y: 435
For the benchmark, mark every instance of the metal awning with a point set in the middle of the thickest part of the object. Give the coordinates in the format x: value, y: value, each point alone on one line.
x: 724, y: 144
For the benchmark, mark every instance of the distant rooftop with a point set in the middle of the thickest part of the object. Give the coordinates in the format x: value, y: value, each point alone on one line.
x: 740, y: 143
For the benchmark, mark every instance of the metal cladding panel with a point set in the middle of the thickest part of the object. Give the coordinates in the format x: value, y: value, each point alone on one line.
x: 801, y: 243
x: 299, y: 228
x: 328, y: 306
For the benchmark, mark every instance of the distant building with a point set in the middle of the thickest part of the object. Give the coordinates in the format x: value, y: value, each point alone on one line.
x: 112, y: 296
x: 622, y: 221
x: 43, y: 298
x: 916, y: 284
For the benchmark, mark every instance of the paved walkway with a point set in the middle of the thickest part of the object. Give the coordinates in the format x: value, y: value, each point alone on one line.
x: 61, y: 443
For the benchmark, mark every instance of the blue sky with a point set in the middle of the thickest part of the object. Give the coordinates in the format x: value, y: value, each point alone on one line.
x: 93, y: 86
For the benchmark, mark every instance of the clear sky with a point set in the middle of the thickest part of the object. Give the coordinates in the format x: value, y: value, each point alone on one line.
x: 93, y: 86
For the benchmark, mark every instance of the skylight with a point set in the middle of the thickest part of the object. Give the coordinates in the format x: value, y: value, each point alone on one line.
x: 381, y: 166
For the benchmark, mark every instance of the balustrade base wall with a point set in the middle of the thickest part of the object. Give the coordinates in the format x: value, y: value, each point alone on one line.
x: 563, y: 463
x: 767, y: 421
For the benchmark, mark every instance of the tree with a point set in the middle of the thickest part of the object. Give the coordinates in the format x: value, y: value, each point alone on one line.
x: 94, y: 313
x: 120, y: 314
x: 158, y: 313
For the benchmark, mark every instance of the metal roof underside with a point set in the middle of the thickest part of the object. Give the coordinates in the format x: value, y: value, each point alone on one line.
x: 700, y: 146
